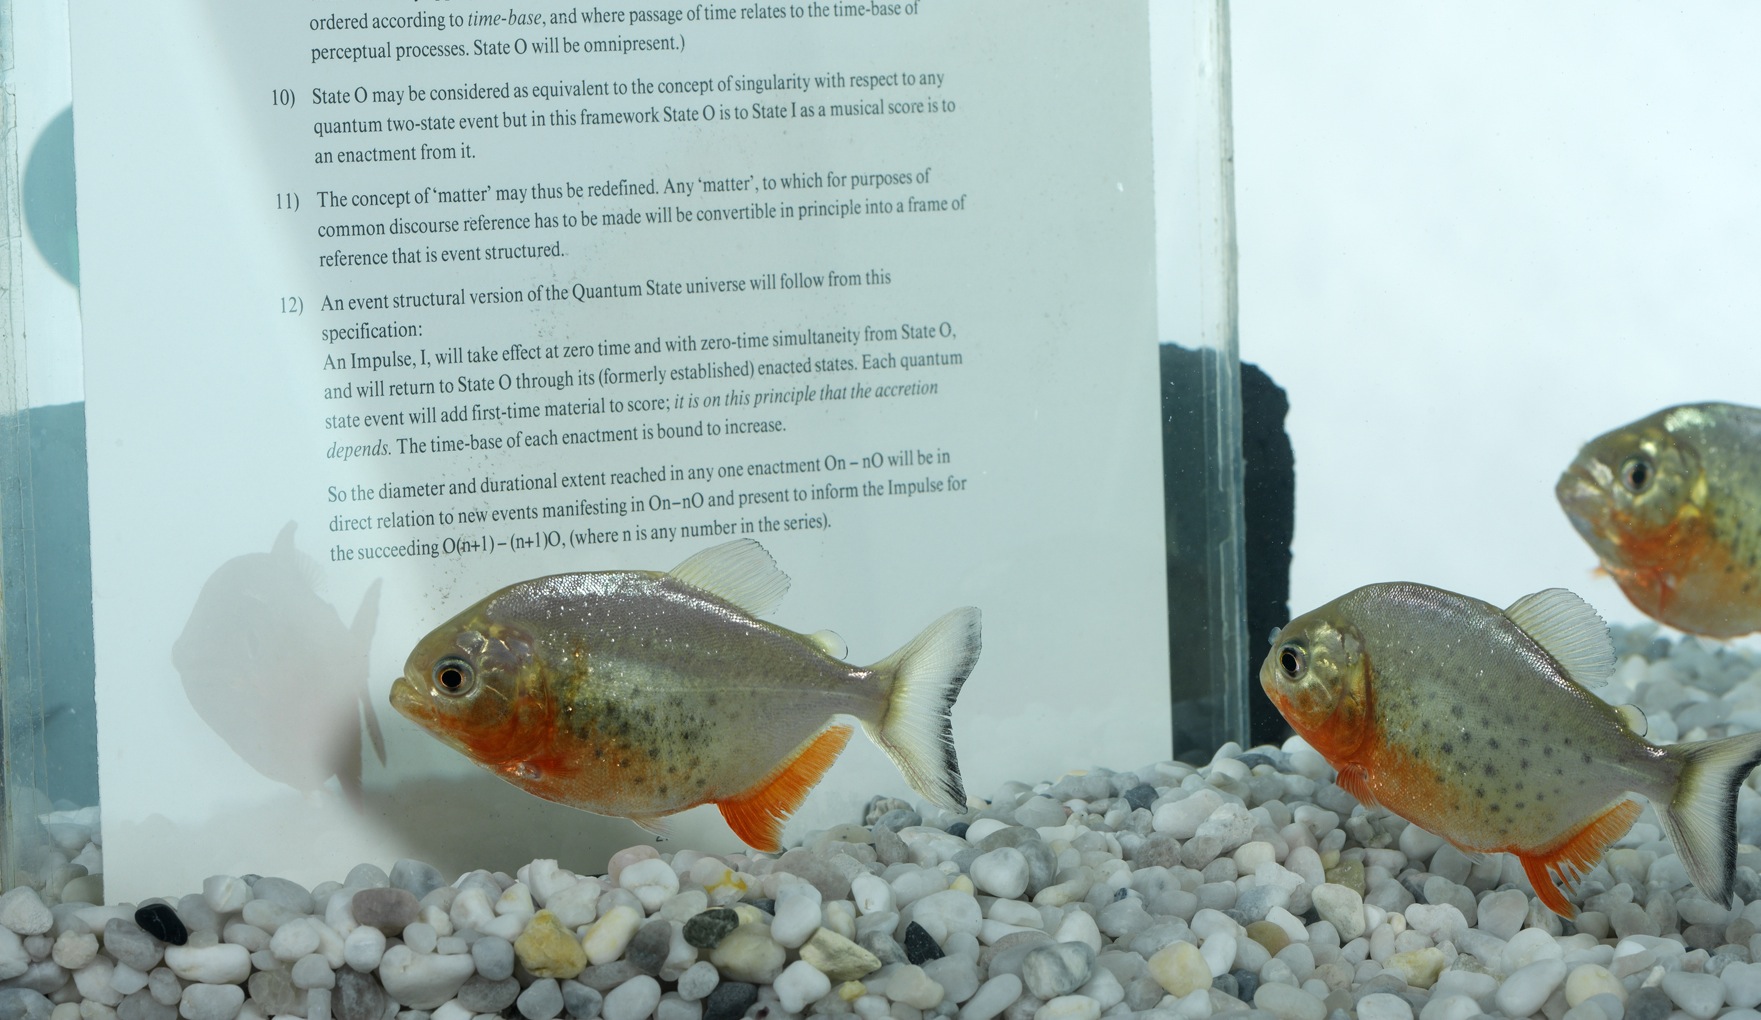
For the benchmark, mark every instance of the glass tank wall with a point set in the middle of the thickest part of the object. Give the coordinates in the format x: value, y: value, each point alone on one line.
x: 583, y: 299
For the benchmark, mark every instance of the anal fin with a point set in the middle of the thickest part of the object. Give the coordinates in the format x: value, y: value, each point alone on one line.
x: 757, y: 815
x: 1577, y: 855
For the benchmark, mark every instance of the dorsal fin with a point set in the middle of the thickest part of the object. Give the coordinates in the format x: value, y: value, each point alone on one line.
x: 830, y: 643
x: 1569, y: 629
x: 740, y: 572
x: 1633, y: 718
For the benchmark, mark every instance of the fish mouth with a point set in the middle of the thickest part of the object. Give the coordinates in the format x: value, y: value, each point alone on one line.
x: 1583, y: 497
x: 411, y: 701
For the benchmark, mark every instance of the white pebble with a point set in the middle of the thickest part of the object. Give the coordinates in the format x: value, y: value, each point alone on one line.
x: 1343, y: 907
x: 992, y: 997
x: 653, y: 881
x: 225, y: 894
x: 1698, y: 995
x: 294, y: 940
x: 871, y: 894
x: 363, y: 948
x: 1742, y: 984
x: 423, y: 980
x: 1079, y: 926
x: 800, y: 984
x: 74, y: 950
x: 911, y: 986
x: 1289, y: 1003
x: 606, y: 940
x: 1529, y: 946
x: 635, y: 999
x: 22, y: 912
x: 211, y: 1002
x: 1069, y: 1007
x: 797, y: 916
x: 1586, y: 980
x: 1002, y: 873
x: 221, y: 964
x: 698, y: 981
x: 1528, y: 987
x: 1383, y: 1006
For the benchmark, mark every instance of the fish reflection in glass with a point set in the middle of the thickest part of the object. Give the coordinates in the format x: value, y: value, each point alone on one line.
x: 1672, y: 506
x: 272, y: 669
x: 639, y: 694
x: 1475, y: 723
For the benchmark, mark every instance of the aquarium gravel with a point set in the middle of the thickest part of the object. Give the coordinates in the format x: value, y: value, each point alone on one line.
x: 1250, y: 885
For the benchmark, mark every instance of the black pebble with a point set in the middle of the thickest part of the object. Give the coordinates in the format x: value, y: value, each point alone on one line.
x: 919, y: 947
x: 729, y: 1001
x: 958, y: 829
x: 707, y: 929
x: 162, y: 922
x: 1140, y: 796
x: 769, y: 906
x: 1246, y: 983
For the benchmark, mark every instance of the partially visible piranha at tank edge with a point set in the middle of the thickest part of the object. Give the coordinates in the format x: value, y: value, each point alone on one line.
x: 1671, y: 504
x: 1475, y: 723
x: 640, y: 694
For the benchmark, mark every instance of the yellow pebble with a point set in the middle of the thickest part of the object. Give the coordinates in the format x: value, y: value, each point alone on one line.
x: 549, y: 950
x: 850, y: 991
x: 750, y: 914
x: 962, y: 884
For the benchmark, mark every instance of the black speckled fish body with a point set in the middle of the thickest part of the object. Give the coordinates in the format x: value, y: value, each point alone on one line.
x: 639, y: 694
x: 1474, y: 722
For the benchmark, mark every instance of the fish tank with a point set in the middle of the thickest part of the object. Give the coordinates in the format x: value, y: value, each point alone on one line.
x: 1039, y: 509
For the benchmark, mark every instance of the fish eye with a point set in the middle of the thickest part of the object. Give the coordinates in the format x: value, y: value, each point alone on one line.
x: 1637, y: 473
x: 1293, y: 661
x: 453, y: 676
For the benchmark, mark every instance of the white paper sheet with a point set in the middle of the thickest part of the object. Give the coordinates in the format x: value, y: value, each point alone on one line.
x: 444, y: 302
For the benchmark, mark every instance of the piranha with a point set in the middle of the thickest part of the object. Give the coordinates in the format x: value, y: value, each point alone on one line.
x: 639, y: 694
x: 1672, y: 506
x: 1475, y: 723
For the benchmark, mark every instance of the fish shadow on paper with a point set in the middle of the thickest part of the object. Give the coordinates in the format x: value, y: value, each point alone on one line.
x: 273, y: 670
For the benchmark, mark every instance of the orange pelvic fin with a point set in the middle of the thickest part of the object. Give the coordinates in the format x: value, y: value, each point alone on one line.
x: 1577, y: 855
x: 757, y: 815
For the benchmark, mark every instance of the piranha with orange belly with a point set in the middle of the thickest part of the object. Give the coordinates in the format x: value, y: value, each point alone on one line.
x: 1474, y: 723
x: 639, y: 694
x: 1672, y: 506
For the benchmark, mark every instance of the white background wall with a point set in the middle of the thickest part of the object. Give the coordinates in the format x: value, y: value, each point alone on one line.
x: 1472, y: 237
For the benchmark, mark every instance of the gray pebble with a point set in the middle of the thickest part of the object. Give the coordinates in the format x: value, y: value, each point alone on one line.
x: 283, y: 892
x: 24, y: 1004
x: 648, y: 948
x: 579, y: 1001
x: 366, y: 876
x: 164, y: 986
x: 898, y: 818
x: 831, y: 874
x: 142, y: 1006
x: 312, y: 971
x: 127, y: 943
x: 730, y: 999
x: 883, y: 946
x: 389, y: 910
x: 1038, y: 812
x: 542, y: 1000
x: 879, y: 807
x: 494, y: 957
x: 415, y: 877
x: 211, y: 1002
x: 889, y: 849
x: 1648, y: 1004
x: 607, y: 976
x: 1058, y: 969
x: 358, y: 997
x: 482, y: 995
x: 195, y: 913
x: 273, y: 991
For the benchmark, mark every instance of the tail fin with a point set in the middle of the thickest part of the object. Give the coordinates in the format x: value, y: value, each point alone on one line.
x: 924, y: 679
x: 1702, y: 815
